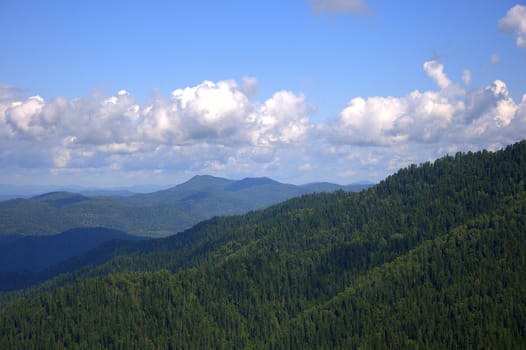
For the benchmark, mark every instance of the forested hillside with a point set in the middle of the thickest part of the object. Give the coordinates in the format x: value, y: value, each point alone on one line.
x: 432, y: 257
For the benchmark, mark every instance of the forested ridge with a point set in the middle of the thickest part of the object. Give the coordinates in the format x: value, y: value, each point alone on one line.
x: 432, y: 257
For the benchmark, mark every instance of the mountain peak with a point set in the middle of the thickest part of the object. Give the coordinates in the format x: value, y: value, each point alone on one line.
x: 205, y: 180
x: 205, y: 177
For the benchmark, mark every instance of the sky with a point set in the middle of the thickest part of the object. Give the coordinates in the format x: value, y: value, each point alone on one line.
x: 118, y: 93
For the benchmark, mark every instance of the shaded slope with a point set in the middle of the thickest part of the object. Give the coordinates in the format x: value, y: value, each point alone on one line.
x: 35, y: 253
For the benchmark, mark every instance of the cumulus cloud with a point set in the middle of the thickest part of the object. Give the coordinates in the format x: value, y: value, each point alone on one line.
x: 419, y: 116
x: 223, y: 113
x: 339, y: 6
x: 490, y: 112
x: 282, y: 119
x: 515, y: 23
x: 448, y: 115
x: 370, y: 121
x: 218, y: 127
x: 23, y: 117
x: 211, y: 111
x: 93, y: 131
x: 435, y: 70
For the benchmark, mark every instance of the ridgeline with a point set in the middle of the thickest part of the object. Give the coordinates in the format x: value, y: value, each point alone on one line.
x: 434, y: 256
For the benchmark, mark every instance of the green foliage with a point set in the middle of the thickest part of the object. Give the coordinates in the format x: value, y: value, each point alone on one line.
x: 432, y: 257
x: 125, y: 311
x: 463, y: 290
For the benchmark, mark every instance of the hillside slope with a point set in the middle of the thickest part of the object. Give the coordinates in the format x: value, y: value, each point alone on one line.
x: 432, y: 257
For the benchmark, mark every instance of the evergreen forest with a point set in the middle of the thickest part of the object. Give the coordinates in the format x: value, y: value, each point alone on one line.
x: 432, y: 257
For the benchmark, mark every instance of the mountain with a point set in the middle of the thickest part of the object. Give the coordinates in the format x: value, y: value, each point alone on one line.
x: 434, y: 256
x: 156, y: 214
x: 218, y: 196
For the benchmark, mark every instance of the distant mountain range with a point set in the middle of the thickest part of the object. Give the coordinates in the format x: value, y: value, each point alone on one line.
x: 27, y: 191
x: 155, y: 214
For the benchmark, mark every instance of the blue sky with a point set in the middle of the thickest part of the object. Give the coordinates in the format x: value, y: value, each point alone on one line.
x: 105, y: 93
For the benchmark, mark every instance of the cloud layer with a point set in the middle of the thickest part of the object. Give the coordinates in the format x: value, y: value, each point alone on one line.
x: 210, y: 120
x: 217, y: 127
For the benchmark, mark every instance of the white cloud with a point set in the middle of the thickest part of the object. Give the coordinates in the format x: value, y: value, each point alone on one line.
x: 206, y: 123
x: 207, y: 111
x: 281, y: 120
x: 339, y: 6
x: 449, y: 115
x: 211, y: 103
x: 23, y: 117
x: 370, y: 121
x: 515, y: 23
x: 490, y: 113
x: 217, y: 127
x: 223, y: 113
x: 435, y: 70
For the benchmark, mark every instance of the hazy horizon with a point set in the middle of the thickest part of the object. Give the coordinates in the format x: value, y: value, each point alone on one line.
x: 10, y: 191
x: 118, y: 94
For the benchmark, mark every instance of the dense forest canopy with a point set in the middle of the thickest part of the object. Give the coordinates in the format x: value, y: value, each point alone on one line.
x: 434, y: 256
